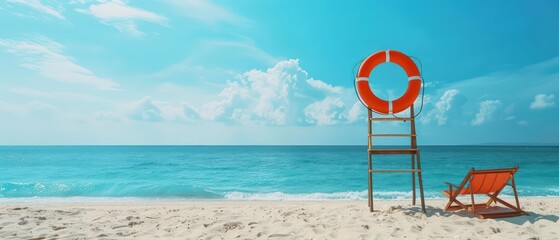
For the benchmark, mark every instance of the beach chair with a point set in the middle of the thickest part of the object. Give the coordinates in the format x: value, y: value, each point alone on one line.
x: 489, y: 183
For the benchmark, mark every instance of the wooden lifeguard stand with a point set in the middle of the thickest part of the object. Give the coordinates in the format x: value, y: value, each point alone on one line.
x: 387, y: 108
x: 413, y: 151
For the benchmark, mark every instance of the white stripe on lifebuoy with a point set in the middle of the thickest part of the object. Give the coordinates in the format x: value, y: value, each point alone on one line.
x: 414, y: 78
x: 389, y: 107
x: 362, y: 79
x: 387, y: 55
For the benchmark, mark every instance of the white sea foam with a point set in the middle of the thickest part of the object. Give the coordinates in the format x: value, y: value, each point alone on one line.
x: 297, y: 196
x: 69, y: 200
x: 349, y: 195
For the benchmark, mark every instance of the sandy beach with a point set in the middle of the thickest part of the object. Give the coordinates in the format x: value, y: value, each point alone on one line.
x: 270, y: 220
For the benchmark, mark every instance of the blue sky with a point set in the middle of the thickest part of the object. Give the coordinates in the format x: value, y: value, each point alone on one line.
x: 272, y: 72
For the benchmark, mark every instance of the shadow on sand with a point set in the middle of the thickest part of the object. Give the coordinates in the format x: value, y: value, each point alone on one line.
x: 533, y: 217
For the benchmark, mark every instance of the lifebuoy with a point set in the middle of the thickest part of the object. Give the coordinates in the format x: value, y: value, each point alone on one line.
x: 379, y: 105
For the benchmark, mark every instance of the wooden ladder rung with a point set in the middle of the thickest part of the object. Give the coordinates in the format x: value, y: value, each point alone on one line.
x: 392, y: 135
x: 391, y: 119
x: 395, y: 170
x: 394, y: 151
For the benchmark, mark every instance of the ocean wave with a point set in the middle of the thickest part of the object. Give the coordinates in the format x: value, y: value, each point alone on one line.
x: 349, y: 195
x: 47, y: 200
x: 104, y: 189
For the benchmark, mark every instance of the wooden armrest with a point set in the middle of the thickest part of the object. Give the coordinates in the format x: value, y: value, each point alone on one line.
x: 450, y: 184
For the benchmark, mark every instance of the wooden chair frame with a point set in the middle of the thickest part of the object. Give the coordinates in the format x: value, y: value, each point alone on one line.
x: 473, y: 207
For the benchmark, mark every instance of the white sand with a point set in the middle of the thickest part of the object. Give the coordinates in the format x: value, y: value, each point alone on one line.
x: 270, y: 220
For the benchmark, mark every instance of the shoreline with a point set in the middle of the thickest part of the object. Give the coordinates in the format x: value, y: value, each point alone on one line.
x: 178, y: 200
x: 232, y: 219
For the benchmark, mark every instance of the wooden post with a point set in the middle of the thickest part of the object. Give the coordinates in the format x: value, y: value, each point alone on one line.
x: 472, y: 194
x: 370, y: 158
x: 413, y: 145
x: 420, y: 178
x: 515, y: 194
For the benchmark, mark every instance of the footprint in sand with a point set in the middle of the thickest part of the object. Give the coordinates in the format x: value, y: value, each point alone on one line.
x: 417, y: 228
x: 55, y: 228
x: 22, y: 221
x: 279, y: 235
x: 232, y: 225
x: 495, y: 230
x: 131, y: 224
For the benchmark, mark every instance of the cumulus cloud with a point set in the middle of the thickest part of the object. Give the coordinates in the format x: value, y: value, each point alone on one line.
x: 486, y: 111
x: 47, y: 58
x: 323, y: 86
x: 257, y: 95
x: 145, y: 110
x: 326, y: 112
x: 542, y: 101
x: 280, y: 95
x: 443, y: 106
x: 151, y: 110
x: 355, y: 113
x: 39, y: 6
x: 231, y: 99
x: 120, y: 15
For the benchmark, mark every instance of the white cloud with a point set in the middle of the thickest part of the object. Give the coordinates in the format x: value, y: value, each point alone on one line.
x: 272, y: 89
x: 542, y: 101
x: 280, y: 95
x: 486, y: 111
x: 439, y: 113
x: 119, y: 14
x: 148, y: 109
x: 262, y: 96
x: 511, y: 86
x: 37, y: 5
x: 207, y: 12
x: 231, y: 99
x: 432, y: 84
x: 46, y: 57
x: 355, y: 112
x: 323, y: 86
x: 326, y: 112
x: 145, y: 110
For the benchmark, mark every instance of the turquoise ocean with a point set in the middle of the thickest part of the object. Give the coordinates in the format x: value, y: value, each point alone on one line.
x: 113, y: 173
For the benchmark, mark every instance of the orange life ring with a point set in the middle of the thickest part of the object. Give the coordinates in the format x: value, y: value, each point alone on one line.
x: 380, y: 105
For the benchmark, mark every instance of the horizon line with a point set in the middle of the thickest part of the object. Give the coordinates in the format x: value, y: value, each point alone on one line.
x: 285, y: 145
